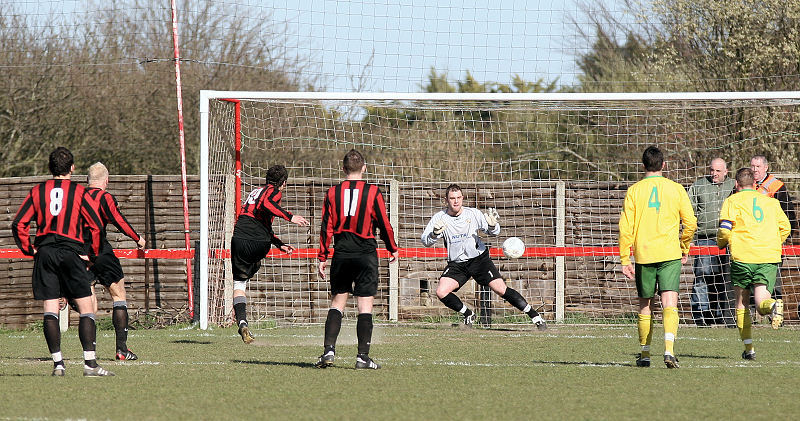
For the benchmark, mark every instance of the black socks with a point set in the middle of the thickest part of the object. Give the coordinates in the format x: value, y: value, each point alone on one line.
x: 240, y: 309
x: 119, y: 317
x: 364, y: 332
x: 515, y: 299
x: 333, y: 324
x: 452, y: 302
x: 87, y: 331
x: 52, y: 332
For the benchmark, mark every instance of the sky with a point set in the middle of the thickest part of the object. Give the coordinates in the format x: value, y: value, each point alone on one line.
x: 397, y: 42
x: 392, y: 45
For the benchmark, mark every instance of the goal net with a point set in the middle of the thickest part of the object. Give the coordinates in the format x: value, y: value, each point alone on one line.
x: 555, y: 166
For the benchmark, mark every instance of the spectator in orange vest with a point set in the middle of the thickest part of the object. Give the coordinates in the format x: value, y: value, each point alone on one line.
x: 767, y: 184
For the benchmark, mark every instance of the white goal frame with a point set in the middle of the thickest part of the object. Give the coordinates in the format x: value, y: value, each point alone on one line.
x: 208, y: 95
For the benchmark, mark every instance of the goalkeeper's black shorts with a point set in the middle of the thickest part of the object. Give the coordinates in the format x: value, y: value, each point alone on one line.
x: 481, y: 268
x: 246, y: 257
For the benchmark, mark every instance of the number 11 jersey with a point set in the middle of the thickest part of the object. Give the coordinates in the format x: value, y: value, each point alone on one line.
x: 353, y: 209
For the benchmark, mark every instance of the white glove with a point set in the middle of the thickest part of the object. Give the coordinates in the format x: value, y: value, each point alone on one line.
x: 438, y: 228
x: 492, y: 217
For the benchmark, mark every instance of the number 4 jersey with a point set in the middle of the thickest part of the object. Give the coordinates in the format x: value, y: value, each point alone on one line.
x: 754, y: 226
x: 352, y: 211
x: 651, y: 221
x: 59, y: 207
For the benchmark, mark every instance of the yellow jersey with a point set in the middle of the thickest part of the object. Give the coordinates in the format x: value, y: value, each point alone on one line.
x: 754, y: 226
x: 651, y: 221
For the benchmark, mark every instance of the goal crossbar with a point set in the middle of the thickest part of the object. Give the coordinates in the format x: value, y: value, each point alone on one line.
x: 206, y: 95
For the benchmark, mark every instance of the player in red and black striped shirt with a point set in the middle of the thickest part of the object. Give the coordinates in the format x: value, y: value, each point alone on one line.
x: 60, y: 209
x: 253, y: 236
x: 106, y: 266
x: 352, y: 211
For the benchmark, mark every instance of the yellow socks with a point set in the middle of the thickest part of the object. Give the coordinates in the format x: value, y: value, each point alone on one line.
x: 765, y: 307
x: 743, y: 322
x: 670, y: 329
x: 645, y: 333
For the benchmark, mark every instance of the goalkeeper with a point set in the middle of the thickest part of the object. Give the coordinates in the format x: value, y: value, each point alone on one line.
x: 468, y: 257
x: 253, y: 237
x: 754, y: 226
x: 650, y: 222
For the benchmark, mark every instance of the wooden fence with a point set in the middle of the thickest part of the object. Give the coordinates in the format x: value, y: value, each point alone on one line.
x: 289, y: 289
x: 573, y: 287
x: 153, y: 206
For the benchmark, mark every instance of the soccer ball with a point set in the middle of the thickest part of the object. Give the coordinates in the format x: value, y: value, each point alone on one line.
x: 513, y: 247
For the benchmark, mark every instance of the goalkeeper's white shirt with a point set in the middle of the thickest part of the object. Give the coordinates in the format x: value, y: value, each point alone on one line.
x: 460, y: 233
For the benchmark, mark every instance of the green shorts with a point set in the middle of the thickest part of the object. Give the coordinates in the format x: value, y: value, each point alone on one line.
x: 744, y: 275
x: 664, y: 275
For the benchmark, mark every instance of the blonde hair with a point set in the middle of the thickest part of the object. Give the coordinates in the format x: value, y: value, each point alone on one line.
x: 97, y: 173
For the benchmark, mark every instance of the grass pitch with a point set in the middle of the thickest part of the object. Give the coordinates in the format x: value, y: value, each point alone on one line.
x: 429, y: 372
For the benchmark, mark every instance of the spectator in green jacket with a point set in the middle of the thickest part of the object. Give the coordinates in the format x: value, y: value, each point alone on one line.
x: 710, y: 297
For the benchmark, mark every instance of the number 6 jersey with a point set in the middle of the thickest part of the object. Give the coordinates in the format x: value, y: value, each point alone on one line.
x: 754, y: 226
x: 651, y: 220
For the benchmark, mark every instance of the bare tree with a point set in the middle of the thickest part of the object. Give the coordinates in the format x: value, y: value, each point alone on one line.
x: 103, y: 84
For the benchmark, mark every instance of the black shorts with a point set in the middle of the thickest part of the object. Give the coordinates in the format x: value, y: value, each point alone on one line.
x: 246, y: 257
x: 60, y: 272
x: 361, y: 270
x: 481, y: 268
x: 107, y: 269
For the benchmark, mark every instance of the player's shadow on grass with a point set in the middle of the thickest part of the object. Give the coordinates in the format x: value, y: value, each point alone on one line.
x: 191, y: 341
x: 589, y: 363
x: 524, y: 328
x: 25, y: 375
x: 6, y: 357
x: 32, y: 359
x: 287, y: 363
x: 708, y: 357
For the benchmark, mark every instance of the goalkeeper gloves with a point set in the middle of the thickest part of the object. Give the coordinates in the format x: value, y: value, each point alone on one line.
x: 438, y: 228
x: 492, y: 217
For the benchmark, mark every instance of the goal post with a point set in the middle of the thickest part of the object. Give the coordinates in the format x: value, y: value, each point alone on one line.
x: 556, y: 165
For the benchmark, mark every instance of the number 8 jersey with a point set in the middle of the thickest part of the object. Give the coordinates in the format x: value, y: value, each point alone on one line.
x: 651, y: 221
x: 60, y: 208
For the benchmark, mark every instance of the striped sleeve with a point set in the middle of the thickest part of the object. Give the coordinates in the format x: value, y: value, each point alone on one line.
x: 111, y: 209
x: 271, y: 201
x: 383, y: 224
x: 92, y: 222
x: 326, y: 228
x: 20, y: 228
